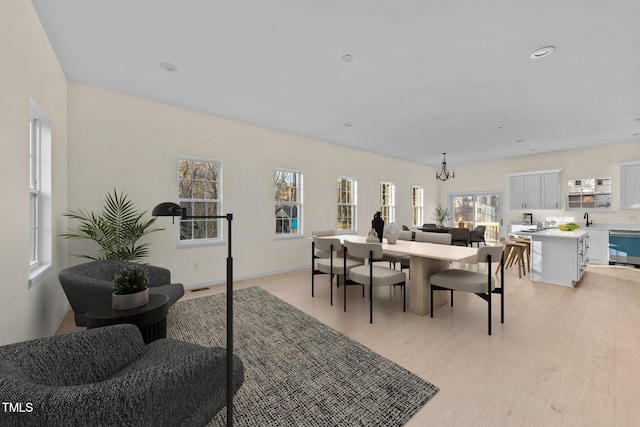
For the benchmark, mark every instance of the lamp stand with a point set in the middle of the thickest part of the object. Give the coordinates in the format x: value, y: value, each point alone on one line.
x: 173, y: 209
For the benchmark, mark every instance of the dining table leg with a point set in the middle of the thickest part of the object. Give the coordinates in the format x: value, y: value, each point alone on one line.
x: 419, y: 284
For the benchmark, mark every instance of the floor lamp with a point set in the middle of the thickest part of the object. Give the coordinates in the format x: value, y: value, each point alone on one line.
x: 173, y: 210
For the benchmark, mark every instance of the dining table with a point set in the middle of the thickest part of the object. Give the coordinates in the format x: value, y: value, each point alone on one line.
x: 425, y: 259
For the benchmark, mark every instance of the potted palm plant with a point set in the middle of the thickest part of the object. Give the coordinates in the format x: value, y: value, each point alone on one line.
x: 130, y: 288
x: 116, y: 229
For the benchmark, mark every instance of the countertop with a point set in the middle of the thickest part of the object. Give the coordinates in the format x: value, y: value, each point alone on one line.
x: 595, y: 226
x: 555, y: 233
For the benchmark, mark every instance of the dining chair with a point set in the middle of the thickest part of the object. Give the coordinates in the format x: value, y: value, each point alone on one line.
x: 372, y: 275
x: 478, y: 283
x: 317, y: 254
x: 460, y: 236
x: 477, y: 235
x: 333, y: 266
x: 392, y: 258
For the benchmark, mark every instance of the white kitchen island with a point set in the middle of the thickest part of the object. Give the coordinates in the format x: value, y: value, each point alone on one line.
x: 559, y: 257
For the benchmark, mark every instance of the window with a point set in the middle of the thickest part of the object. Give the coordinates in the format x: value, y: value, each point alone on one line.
x: 347, y: 203
x: 589, y: 193
x: 200, y: 192
x: 417, y: 205
x: 288, y: 203
x: 472, y: 209
x: 40, y: 224
x: 388, y: 202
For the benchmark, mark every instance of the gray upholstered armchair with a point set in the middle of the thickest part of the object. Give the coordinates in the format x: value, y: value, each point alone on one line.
x: 90, y: 283
x: 108, y: 376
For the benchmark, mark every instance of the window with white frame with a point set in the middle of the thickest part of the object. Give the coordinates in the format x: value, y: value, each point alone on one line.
x: 288, y: 202
x: 417, y: 205
x: 40, y: 223
x: 388, y: 201
x: 347, y: 203
x: 200, y: 192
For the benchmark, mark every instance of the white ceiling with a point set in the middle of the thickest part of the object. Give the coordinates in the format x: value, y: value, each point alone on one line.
x: 426, y: 77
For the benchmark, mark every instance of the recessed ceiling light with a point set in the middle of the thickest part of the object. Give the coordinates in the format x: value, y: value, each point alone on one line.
x: 168, y: 66
x: 636, y: 134
x: 520, y: 141
x: 348, y: 124
x: 500, y: 127
x: 542, y: 52
x: 347, y: 58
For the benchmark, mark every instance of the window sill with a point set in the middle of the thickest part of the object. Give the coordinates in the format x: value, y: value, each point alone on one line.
x: 289, y: 237
x: 37, y: 274
x: 198, y: 244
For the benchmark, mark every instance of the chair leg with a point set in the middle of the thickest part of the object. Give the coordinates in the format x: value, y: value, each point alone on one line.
x: 344, y: 287
x: 331, y: 286
x: 370, y: 299
x: 451, y: 297
x: 431, y: 309
x: 489, y: 292
x: 501, y: 292
x: 404, y: 296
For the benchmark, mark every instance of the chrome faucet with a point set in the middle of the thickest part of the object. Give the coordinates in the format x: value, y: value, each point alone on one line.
x: 586, y: 216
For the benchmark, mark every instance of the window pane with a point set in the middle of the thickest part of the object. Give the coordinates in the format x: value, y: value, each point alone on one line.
x: 288, y: 206
x: 198, y: 182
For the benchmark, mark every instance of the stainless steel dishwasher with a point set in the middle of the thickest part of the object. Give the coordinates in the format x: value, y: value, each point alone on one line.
x: 624, y: 247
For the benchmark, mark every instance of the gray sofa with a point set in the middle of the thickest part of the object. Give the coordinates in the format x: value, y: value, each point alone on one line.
x: 109, y: 377
x: 91, y: 283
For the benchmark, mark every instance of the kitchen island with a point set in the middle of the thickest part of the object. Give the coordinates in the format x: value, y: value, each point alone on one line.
x: 559, y: 257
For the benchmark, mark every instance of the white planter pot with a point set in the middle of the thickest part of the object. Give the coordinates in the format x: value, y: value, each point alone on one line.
x: 129, y: 301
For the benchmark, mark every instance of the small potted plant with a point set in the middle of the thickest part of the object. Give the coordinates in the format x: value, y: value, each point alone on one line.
x: 130, y: 288
x: 440, y: 215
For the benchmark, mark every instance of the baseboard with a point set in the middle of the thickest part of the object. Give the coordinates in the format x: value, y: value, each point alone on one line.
x: 60, y: 319
x: 245, y: 277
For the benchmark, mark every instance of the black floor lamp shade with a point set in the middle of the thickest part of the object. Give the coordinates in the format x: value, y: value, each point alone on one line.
x: 173, y: 209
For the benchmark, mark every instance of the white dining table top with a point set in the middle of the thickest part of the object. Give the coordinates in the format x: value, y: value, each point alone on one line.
x: 420, y: 249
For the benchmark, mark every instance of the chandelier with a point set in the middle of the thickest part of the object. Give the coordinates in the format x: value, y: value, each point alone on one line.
x: 443, y: 174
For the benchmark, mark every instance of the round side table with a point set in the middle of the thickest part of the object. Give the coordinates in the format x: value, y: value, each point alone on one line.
x: 151, y: 318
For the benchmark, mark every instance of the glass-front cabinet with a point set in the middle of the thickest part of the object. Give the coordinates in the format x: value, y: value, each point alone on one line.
x: 589, y: 193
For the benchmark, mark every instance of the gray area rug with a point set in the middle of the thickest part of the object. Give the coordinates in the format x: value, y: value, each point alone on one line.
x: 299, y: 371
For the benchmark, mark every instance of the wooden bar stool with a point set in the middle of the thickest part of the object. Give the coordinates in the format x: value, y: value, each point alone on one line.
x: 514, y: 253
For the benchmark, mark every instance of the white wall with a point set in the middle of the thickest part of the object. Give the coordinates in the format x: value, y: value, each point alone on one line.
x: 584, y: 163
x: 132, y: 144
x: 30, y: 69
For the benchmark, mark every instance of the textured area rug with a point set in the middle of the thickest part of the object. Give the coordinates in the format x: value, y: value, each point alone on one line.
x: 299, y: 371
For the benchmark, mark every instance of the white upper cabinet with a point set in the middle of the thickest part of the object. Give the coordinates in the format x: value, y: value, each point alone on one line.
x: 535, y: 190
x: 630, y: 186
x: 550, y: 190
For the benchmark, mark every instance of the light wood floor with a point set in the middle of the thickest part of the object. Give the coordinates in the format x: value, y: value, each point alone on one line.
x: 563, y: 357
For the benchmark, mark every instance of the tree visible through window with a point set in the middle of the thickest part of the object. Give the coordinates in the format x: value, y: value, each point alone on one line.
x: 388, y: 202
x: 347, y: 203
x: 288, y: 202
x: 199, y: 190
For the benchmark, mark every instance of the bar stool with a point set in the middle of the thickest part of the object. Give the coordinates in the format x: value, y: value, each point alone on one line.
x: 514, y: 253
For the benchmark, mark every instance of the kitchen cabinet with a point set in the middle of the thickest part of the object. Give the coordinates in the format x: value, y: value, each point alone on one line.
x: 559, y: 257
x: 630, y: 186
x: 598, y: 246
x: 550, y: 198
x: 535, y: 190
